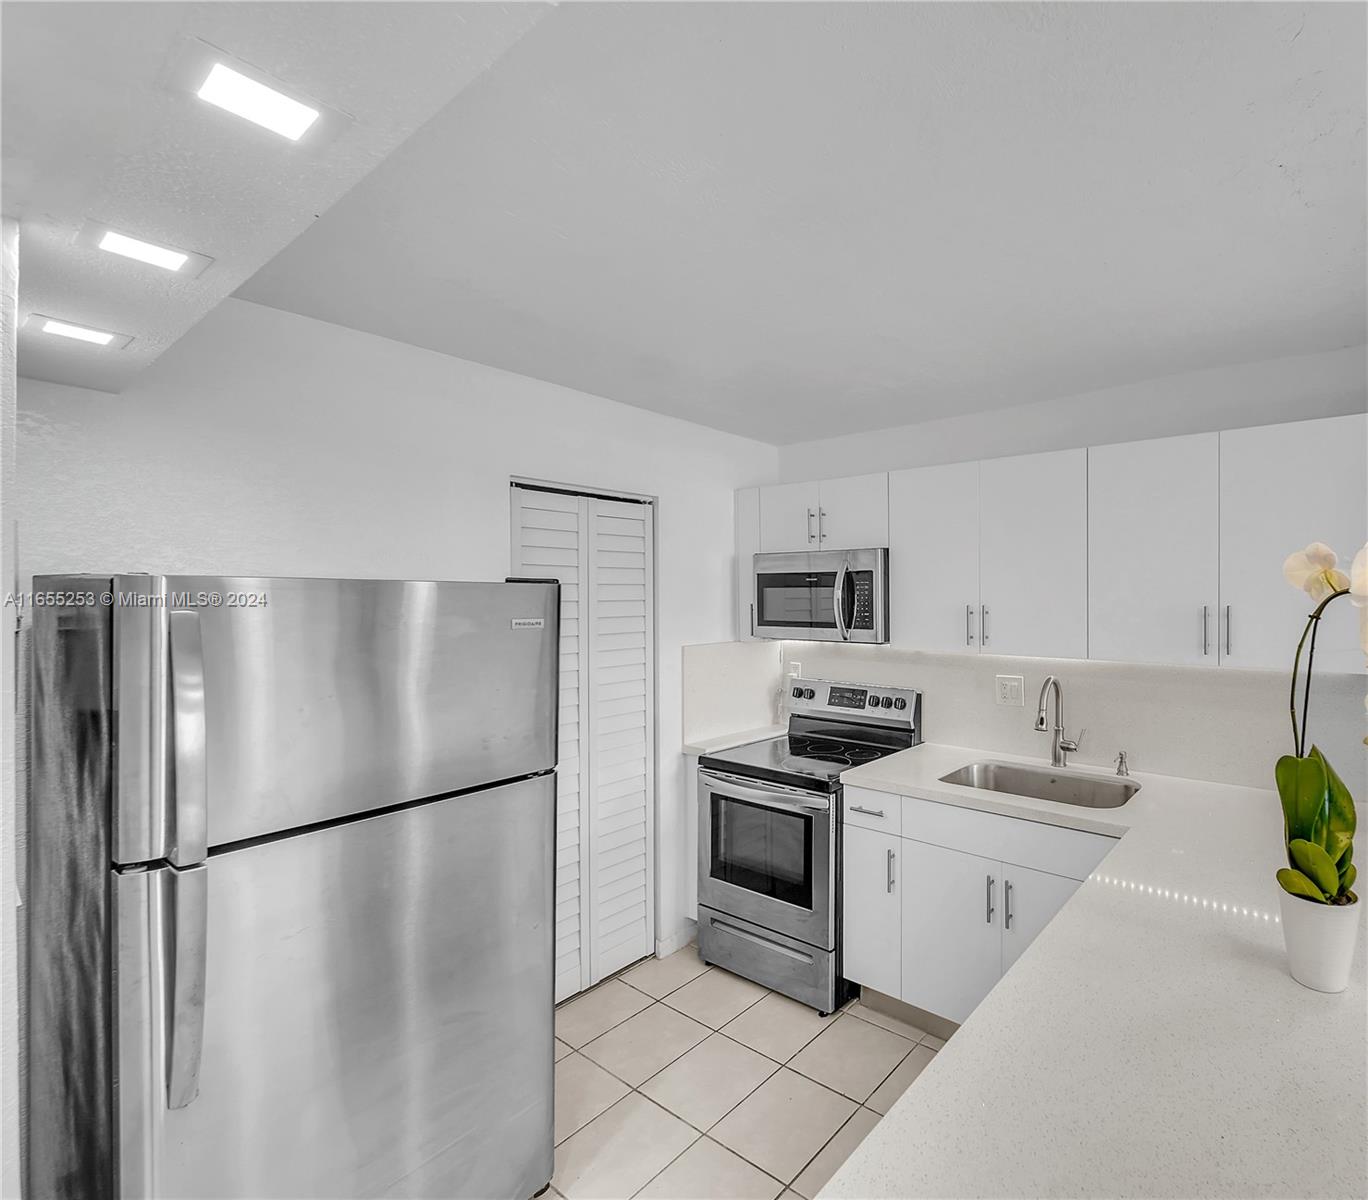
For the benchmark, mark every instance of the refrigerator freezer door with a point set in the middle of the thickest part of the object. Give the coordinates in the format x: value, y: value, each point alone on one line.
x: 320, y: 698
x: 377, y: 1011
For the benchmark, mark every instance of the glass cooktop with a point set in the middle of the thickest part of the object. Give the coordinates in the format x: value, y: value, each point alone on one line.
x: 803, y: 760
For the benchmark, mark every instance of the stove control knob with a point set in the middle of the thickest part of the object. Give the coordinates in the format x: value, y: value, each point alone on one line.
x: 808, y: 693
x: 797, y: 693
x: 887, y: 701
x: 873, y: 702
x: 899, y: 703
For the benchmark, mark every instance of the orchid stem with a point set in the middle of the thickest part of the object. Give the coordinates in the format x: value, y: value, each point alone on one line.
x: 1312, y: 628
x: 1306, y: 694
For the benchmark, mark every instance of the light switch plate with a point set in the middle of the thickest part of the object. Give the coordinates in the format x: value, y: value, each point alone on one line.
x: 1011, y: 690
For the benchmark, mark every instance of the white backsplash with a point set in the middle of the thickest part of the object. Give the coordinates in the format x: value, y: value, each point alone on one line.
x: 729, y: 687
x: 1200, y: 723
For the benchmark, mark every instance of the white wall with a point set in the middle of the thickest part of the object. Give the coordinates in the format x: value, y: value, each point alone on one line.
x: 9, y: 814
x: 1257, y: 393
x: 269, y: 443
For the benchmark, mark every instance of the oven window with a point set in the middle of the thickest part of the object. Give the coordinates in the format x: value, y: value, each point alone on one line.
x: 799, y: 598
x: 762, y: 850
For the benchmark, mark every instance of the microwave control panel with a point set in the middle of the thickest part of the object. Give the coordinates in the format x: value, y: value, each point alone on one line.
x: 864, y: 600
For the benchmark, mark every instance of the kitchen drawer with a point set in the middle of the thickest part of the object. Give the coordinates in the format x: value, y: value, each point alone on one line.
x: 1068, y: 852
x: 881, y: 811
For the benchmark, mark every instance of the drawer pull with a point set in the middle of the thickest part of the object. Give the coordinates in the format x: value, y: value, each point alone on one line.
x: 869, y: 812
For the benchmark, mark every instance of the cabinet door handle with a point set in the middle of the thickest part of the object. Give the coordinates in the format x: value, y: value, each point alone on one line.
x: 989, y: 900
x: 821, y: 524
x: 1227, y: 630
x: 869, y: 812
x: 968, y: 624
x: 811, y: 514
x: 1007, y: 904
x: 1206, y: 640
x: 983, y: 626
x: 891, y: 856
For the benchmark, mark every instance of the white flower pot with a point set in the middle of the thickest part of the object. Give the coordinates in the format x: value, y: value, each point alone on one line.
x: 1320, y: 941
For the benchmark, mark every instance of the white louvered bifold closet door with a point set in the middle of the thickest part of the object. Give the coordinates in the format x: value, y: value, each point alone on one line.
x: 601, y: 551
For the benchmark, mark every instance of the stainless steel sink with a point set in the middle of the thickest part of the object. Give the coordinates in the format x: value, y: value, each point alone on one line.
x: 1045, y: 783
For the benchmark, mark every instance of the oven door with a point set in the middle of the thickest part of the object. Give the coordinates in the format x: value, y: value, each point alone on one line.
x: 765, y: 854
x: 824, y: 596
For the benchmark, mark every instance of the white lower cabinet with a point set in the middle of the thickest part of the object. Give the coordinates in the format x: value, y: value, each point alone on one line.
x: 931, y: 921
x: 951, y: 940
x: 1030, y: 900
x: 872, y: 874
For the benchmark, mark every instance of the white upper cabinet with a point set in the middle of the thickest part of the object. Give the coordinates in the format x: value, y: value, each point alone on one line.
x: 788, y: 517
x: 747, y: 544
x: 1283, y: 486
x: 1153, y: 528
x: 836, y: 514
x: 853, y: 513
x: 1033, y: 554
x: 933, y: 558
x: 1161, y: 551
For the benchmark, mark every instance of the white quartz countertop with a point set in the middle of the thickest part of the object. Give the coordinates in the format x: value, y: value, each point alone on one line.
x: 726, y: 741
x: 1150, y: 1042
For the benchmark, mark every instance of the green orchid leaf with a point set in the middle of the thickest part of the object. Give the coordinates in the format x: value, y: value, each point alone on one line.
x: 1315, y: 864
x: 1337, y: 845
x: 1342, y: 818
x: 1305, y: 795
x: 1346, y: 881
x: 1297, y: 884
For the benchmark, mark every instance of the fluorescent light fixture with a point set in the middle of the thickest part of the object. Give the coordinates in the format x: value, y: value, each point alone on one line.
x: 98, y: 336
x: 157, y: 256
x: 255, y: 102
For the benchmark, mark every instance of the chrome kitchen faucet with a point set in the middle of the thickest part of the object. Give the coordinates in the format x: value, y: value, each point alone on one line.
x: 1060, y: 746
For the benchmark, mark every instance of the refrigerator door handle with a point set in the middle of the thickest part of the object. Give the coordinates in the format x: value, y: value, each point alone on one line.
x: 186, y: 905
x: 189, y: 806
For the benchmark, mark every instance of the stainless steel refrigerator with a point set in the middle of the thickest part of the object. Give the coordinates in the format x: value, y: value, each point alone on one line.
x: 290, y: 891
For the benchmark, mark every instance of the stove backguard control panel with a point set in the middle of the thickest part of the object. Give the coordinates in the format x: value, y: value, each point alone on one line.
x: 818, y: 697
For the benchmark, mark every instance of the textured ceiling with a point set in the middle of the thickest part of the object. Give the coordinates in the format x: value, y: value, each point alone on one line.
x: 788, y: 220
x: 92, y: 130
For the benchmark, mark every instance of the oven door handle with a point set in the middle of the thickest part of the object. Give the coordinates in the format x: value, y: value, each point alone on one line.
x: 838, y: 601
x: 780, y: 797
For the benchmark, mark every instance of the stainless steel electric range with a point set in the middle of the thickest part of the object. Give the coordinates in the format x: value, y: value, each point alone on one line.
x: 769, y: 836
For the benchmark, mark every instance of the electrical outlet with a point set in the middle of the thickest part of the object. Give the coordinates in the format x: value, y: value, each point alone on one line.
x: 1011, y: 690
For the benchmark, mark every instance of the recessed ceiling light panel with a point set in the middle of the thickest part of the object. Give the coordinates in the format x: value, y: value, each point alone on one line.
x: 109, y: 237
x: 54, y: 327
x: 156, y: 256
x: 215, y: 77
x: 255, y: 102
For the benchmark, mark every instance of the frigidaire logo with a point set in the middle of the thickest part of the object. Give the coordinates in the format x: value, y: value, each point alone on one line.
x: 527, y: 623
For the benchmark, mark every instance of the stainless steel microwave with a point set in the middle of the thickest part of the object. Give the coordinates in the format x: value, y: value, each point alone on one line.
x: 822, y: 596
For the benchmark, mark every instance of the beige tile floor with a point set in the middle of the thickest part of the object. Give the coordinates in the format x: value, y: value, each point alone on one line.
x: 678, y: 1081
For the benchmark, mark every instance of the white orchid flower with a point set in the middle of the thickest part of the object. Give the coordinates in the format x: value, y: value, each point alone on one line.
x: 1358, y: 579
x: 1314, y: 570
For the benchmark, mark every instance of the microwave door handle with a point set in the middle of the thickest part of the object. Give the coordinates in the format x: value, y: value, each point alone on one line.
x: 838, y: 601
